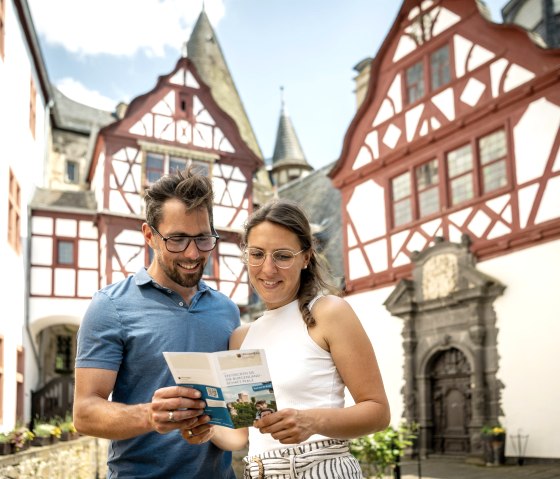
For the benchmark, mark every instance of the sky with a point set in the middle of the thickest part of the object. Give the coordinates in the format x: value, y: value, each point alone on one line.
x: 105, y: 52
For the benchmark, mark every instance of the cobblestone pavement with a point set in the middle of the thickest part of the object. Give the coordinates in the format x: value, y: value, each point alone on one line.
x: 458, y: 468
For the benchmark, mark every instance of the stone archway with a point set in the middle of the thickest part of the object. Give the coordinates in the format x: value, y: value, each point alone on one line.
x: 451, y: 388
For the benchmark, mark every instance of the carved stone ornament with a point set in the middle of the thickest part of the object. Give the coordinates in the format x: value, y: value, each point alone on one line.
x: 439, y: 276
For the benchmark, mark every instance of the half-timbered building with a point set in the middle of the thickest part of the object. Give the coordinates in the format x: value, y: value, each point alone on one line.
x: 450, y: 184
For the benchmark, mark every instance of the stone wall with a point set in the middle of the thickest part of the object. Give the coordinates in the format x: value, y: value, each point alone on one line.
x: 83, y: 458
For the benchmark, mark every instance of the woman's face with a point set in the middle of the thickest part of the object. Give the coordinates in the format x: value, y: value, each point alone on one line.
x: 275, y: 286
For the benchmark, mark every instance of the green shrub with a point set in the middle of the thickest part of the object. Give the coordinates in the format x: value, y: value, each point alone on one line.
x: 382, y: 450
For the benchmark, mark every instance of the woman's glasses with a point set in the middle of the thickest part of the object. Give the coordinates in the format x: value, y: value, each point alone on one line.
x: 179, y: 243
x: 283, y: 258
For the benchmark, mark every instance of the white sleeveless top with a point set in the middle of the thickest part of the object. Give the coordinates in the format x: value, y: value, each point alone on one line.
x: 303, y: 374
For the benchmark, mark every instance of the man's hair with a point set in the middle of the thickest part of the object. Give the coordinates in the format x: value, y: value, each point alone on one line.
x: 193, y: 189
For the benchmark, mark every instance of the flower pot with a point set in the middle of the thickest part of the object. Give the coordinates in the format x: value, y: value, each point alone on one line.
x: 494, y: 447
x: 41, y: 441
x: 7, y: 448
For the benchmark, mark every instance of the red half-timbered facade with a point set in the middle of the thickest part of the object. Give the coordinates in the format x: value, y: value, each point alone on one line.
x: 450, y: 184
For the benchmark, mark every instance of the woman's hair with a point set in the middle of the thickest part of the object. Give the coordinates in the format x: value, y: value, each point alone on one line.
x: 289, y: 215
x: 193, y: 189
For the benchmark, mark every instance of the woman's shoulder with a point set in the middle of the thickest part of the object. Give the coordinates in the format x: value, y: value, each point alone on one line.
x: 323, y: 301
x: 331, y: 306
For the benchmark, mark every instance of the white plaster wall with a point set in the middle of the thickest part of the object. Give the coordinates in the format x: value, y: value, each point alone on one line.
x: 46, y: 312
x: 384, y: 332
x: 23, y: 154
x: 528, y: 318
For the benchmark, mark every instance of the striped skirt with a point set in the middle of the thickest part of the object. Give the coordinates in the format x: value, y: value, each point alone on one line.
x: 328, y: 459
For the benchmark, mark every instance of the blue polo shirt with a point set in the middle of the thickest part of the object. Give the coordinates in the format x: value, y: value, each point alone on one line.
x: 125, y: 329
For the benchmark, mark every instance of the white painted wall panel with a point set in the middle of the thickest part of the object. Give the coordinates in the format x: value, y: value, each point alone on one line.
x: 42, y: 225
x: 88, y: 254
x: 41, y: 250
x: 528, y: 320
x: 64, y: 282
x: 384, y: 332
x: 41, y: 281
x: 87, y: 283
x: 65, y: 227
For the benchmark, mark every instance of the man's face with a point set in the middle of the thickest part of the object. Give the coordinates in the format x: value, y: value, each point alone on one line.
x: 183, y: 269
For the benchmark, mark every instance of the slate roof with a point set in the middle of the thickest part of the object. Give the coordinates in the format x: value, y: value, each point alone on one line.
x: 287, y: 149
x: 64, y: 200
x: 322, y: 202
x: 74, y: 116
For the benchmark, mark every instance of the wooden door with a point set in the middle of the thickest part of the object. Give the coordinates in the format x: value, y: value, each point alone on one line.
x: 451, y: 411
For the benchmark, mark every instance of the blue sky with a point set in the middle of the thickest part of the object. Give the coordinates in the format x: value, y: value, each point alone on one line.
x: 104, y: 52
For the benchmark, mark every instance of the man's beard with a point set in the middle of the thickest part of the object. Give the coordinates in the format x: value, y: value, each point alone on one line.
x: 186, y: 281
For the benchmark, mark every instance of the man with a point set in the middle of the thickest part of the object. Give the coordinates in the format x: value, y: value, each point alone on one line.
x: 166, y: 307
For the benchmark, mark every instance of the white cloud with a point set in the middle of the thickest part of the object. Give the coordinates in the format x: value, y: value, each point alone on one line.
x: 121, y: 27
x: 78, y: 92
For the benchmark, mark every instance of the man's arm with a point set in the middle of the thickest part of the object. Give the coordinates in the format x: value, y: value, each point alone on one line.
x: 95, y: 415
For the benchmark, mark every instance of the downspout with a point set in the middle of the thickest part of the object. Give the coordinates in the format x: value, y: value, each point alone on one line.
x: 27, y: 265
x: 27, y: 297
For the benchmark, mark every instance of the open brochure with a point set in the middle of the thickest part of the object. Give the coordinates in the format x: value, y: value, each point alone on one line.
x: 236, y: 384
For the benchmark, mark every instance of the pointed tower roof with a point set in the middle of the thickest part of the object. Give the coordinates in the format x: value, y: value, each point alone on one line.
x: 287, y: 148
x: 204, y: 51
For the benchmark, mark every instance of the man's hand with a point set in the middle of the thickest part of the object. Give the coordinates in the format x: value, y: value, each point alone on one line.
x: 176, y: 407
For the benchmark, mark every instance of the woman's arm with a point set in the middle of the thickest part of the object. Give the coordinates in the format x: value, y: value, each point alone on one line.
x: 339, y: 331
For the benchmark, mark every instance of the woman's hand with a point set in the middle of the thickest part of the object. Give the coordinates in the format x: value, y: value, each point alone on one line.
x: 289, y: 426
x: 198, y: 434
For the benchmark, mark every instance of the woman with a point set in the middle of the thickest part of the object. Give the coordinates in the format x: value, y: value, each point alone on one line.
x: 315, y: 347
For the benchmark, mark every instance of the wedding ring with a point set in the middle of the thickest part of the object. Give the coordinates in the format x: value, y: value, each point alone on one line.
x: 191, y: 434
x: 170, y: 416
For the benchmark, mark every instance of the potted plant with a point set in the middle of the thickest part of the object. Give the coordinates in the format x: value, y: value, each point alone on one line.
x: 6, y: 445
x: 494, y: 444
x: 45, y: 434
x: 68, y: 431
x: 20, y: 437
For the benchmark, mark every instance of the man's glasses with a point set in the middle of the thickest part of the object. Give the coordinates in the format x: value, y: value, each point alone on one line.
x: 179, y: 243
x: 283, y: 258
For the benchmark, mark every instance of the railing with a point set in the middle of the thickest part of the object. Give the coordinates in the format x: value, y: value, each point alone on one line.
x: 55, y: 399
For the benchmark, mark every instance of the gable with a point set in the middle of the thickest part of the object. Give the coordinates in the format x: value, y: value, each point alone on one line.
x: 487, y: 62
x: 180, y: 111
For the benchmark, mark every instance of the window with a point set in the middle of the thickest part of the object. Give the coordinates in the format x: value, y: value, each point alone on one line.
x: 493, y: 150
x: 158, y: 164
x: 72, y: 174
x: 65, y: 252
x: 402, y: 201
x: 460, y: 174
x: 14, y: 213
x: 415, y: 82
x: 427, y: 188
x: 471, y: 172
x: 2, y: 28
x: 63, y: 358
x: 434, y: 69
x: 465, y: 172
x: 439, y: 67
x: 32, y: 107
x: 421, y: 197
x: 20, y: 393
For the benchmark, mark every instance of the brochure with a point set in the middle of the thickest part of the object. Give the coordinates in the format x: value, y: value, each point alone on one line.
x: 235, y: 384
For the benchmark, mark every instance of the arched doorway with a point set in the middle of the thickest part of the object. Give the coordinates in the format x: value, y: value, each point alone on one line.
x: 450, y: 374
